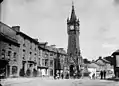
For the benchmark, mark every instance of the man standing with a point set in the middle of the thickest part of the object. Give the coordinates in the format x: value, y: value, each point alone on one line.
x: 62, y: 75
x: 104, y: 72
x: 101, y: 74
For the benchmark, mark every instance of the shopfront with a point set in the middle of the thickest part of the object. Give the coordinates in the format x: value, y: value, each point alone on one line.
x: 4, y: 69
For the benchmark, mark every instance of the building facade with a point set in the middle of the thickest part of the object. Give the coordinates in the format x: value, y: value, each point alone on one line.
x: 43, y: 60
x: 28, y: 53
x: 9, y: 48
x: 103, y: 64
x: 115, y: 58
x: 73, y: 51
x: 51, y: 60
x: 25, y: 56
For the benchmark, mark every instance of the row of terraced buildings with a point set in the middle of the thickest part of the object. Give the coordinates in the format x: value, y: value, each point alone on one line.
x: 22, y: 55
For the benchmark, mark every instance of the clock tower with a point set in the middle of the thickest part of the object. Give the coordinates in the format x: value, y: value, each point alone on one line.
x: 73, y: 51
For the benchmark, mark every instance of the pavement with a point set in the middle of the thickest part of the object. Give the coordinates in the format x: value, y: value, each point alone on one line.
x: 10, y: 81
x: 46, y: 81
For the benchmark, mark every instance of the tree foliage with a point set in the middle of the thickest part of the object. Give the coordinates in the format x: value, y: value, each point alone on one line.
x: 86, y: 61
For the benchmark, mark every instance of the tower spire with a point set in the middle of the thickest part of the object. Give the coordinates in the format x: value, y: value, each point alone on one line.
x: 73, y: 15
x: 72, y: 3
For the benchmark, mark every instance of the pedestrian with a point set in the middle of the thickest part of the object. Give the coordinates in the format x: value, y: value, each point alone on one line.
x: 104, y: 74
x: 62, y: 75
x: 67, y: 76
x: 91, y: 75
x: 101, y: 74
x: 82, y: 73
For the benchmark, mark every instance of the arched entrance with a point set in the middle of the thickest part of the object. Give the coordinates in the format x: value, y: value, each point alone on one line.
x: 71, y: 70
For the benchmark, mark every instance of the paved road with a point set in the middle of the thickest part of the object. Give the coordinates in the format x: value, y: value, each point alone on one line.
x: 65, y: 82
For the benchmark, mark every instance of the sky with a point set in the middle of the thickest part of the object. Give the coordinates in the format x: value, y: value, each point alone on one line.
x: 47, y: 21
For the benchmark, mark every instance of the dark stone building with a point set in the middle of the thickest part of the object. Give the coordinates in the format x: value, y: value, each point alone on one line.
x: 115, y: 56
x: 73, y: 51
x: 9, y: 48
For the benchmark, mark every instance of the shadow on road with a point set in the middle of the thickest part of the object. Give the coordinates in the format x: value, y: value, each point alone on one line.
x: 113, y: 79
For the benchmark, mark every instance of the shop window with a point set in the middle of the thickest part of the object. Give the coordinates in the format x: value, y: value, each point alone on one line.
x: 51, y: 72
x: 14, y: 69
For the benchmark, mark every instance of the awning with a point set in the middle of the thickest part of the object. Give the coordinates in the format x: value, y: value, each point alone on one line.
x: 42, y: 67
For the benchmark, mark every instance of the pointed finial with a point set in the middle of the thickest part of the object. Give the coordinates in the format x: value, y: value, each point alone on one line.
x: 72, y: 4
x: 73, y: 16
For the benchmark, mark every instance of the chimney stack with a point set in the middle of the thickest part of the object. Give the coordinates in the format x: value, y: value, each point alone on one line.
x: 36, y: 39
x: 16, y: 28
x: 53, y: 46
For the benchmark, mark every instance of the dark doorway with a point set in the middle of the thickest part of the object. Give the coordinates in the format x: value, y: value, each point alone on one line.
x: 71, y: 70
x: 3, y: 68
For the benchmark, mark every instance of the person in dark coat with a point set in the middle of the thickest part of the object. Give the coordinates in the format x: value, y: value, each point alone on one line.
x: 101, y: 74
x: 62, y: 75
x: 104, y: 74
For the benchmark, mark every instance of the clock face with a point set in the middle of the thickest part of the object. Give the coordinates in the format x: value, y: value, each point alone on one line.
x: 72, y: 27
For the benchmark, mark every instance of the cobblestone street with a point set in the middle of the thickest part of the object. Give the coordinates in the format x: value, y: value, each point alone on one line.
x: 60, y: 82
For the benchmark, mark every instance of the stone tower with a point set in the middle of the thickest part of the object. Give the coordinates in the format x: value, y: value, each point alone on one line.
x: 73, y: 51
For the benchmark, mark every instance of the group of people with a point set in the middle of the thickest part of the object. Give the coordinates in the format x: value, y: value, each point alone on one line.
x: 92, y: 75
x: 103, y: 74
x: 59, y: 75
